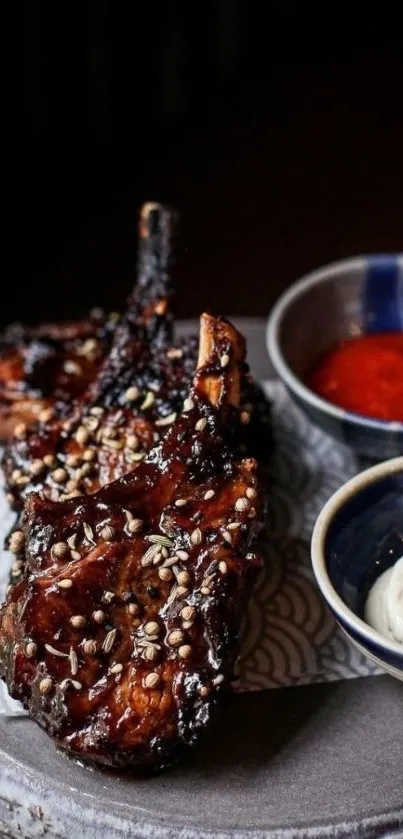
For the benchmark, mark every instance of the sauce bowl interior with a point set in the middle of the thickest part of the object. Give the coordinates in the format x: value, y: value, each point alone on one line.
x: 345, y: 299
x: 365, y: 538
x: 357, y: 536
x: 322, y: 315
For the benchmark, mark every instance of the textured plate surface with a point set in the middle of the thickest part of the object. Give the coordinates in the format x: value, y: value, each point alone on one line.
x: 317, y: 761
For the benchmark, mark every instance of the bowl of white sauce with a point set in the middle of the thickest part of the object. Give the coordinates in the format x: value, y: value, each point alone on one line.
x: 357, y: 557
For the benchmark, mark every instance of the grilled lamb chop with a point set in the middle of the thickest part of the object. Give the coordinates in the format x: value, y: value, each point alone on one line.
x: 122, y: 634
x: 134, y: 398
x: 48, y: 366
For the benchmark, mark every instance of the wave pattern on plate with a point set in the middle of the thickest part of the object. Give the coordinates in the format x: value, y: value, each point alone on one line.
x: 289, y: 636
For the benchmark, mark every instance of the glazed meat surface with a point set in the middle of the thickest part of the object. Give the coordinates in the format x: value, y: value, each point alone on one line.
x: 122, y: 632
x: 48, y: 366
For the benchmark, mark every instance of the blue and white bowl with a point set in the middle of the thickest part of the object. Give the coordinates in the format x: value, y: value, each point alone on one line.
x: 342, y: 300
x: 358, y: 535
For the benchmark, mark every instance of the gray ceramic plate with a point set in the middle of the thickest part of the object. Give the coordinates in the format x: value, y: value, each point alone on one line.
x: 318, y: 761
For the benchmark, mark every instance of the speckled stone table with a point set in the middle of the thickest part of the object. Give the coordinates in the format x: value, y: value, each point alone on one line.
x: 318, y: 761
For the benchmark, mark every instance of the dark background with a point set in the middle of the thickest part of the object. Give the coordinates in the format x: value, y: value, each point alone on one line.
x: 275, y: 128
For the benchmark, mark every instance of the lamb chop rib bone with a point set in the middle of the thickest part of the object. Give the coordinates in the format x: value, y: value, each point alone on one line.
x: 147, y: 323
x: 123, y: 631
x: 210, y: 382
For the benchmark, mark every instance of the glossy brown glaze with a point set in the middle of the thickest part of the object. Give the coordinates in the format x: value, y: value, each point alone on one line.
x: 97, y: 443
x: 123, y: 630
x: 48, y: 366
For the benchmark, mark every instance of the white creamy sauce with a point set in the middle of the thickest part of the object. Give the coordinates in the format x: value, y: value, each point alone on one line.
x: 384, y: 606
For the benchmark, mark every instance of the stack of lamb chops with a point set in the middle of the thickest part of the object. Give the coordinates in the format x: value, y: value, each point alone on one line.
x: 138, y: 509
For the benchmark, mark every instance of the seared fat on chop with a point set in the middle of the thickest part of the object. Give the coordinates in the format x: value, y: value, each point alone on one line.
x: 122, y: 633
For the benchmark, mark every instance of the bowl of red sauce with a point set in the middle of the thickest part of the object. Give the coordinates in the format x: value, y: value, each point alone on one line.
x: 335, y: 339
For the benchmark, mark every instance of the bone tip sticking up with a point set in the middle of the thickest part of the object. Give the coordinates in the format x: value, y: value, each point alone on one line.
x: 146, y: 211
x: 222, y: 353
x: 152, y: 216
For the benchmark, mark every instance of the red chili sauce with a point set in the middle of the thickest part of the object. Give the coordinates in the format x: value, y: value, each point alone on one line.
x: 363, y: 375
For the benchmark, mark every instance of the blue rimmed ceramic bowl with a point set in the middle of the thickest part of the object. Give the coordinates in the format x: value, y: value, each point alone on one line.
x: 342, y: 300
x: 358, y: 535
